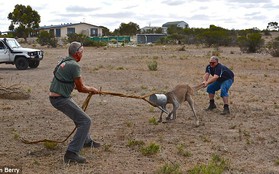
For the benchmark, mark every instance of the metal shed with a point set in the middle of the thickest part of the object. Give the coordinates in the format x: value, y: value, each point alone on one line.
x: 149, y: 38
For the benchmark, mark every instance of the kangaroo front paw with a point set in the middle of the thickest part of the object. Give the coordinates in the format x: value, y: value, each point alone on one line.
x: 168, y: 118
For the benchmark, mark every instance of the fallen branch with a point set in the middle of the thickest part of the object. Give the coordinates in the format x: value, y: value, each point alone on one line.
x: 13, y: 92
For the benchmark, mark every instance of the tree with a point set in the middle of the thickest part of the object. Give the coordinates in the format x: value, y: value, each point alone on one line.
x: 272, y: 26
x: 106, y: 31
x: 174, y: 30
x: 215, y: 36
x: 24, y: 20
x: 129, y: 29
x: 157, y: 30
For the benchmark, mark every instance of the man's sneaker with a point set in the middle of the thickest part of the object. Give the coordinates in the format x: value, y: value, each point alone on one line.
x: 226, y: 111
x: 211, y: 107
x: 70, y: 157
x: 92, y: 144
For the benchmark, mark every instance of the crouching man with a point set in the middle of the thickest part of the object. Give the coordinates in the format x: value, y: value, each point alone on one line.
x: 223, y: 79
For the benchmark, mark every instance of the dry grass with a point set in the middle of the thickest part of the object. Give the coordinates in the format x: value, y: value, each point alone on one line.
x: 248, y: 138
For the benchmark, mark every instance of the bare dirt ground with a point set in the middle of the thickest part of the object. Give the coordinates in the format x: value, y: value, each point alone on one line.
x: 248, y: 138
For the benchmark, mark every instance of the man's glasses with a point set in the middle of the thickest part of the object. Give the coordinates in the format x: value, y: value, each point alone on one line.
x: 212, y: 63
x: 79, y: 47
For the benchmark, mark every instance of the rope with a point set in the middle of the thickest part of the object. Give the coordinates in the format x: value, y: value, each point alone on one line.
x: 128, y: 96
x: 84, y: 107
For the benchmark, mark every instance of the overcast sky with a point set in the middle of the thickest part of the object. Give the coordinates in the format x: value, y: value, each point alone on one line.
x: 229, y: 14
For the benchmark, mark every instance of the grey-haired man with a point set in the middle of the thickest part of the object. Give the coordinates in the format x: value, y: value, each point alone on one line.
x: 223, y: 79
x: 67, y: 77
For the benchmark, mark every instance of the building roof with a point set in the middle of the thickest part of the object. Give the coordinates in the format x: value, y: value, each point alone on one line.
x: 65, y: 25
x: 172, y: 23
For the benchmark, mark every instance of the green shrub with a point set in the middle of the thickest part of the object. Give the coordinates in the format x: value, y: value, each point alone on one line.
x: 150, y: 149
x: 85, y: 40
x: 46, y: 38
x: 182, y: 152
x: 50, y: 145
x: 251, y: 42
x: 273, y: 47
x: 169, y: 169
x: 153, y: 121
x: 153, y: 65
x: 216, y: 165
x: 133, y: 143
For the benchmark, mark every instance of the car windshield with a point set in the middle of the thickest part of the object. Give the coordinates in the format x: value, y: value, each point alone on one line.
x: 13, y: 43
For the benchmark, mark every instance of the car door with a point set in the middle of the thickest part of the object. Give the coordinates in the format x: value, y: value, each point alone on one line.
x: 4, y: 53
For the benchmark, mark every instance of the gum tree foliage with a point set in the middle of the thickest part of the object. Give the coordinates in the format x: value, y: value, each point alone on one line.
x: 216, y: 36
x: 24, y: 20
x: 191, y: 35
x: 128, y: 29
x: 213, y: 36
x: 158, y: 30
x: 106, y: 31
x: 175, y: 34
x: 272, y: 26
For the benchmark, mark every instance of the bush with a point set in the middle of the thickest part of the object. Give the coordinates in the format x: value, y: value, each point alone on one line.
x: 150, y: 150
x: 76, y: 37
x: 216, y: 165
x: 169, y: 169
x: 273, y: 47
x: 133, y: 143
x: 86, y: 41
x: 251, y: 42
x: 153, y: 65
x: 50, y: 145
x: 46, y: 38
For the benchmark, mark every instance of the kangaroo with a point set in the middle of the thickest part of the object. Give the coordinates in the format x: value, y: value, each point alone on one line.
x: 176, y: 97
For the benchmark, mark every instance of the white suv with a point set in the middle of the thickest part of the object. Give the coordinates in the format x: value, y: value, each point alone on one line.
x: 12, y: 53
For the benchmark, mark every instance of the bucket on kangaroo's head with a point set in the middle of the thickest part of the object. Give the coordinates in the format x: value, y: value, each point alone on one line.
x: 158, y: 99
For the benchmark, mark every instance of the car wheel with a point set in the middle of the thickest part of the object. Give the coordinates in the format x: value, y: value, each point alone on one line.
x: 21, y: 63
x: 34, y: 64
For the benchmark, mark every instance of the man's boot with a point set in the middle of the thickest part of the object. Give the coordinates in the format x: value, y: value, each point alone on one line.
x: 73, y: 157
x: 211, y: 105
x: 226, y: 110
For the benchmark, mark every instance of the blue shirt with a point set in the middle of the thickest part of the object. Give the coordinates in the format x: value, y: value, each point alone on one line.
x: 222, y: 71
